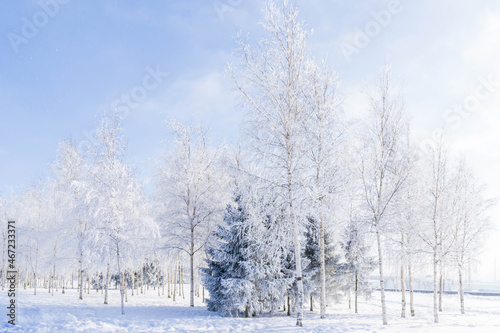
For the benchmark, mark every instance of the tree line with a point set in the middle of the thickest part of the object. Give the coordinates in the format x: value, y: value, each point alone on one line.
x: 304, y: 208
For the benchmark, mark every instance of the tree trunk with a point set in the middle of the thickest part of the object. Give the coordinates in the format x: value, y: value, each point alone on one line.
x: 50, y: 280
x: 381, y: 274
x: 441, y: 288
x: 106, y: 285
x: 142, y: 279
x: 118, y: 262
x: 297, y: 248
x: 181, y: 281
x: 403, y: 296
x: 311, y: 302
x: 435, y: 286
x: 461, y: 286
x: 288, y: 313
x: 322, y: 275
x: 124, y: 279
x: 356, y: 293
x: 80, y: 277
x: 168, y: 282
x: 410, y: 285
x: 158, y: 281
x: 349, y: 297
x: 174, y: 281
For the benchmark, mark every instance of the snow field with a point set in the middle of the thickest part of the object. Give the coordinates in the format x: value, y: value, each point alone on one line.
x: 152, y: 313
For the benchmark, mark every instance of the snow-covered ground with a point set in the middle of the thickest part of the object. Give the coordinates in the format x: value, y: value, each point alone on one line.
x: 151, y: 313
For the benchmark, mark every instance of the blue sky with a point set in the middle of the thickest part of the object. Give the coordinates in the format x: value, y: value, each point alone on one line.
x: 87, y: 54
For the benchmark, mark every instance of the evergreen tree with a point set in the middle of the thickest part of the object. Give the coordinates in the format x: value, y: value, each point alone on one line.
x: 225, y: 276
x: 244, y: 271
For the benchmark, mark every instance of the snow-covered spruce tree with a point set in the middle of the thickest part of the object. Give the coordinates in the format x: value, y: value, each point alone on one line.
x: 358, y: 264
x: 384, y: 162
x: 191, y: 192
x: 226, y: 278
x: 272, y: 80
x: 244, y: 272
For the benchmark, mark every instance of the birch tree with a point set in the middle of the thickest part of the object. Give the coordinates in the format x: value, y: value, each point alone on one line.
x: 384, y: 166
x: 192, y: 192
x: 437, y: 196
x: 271, y: 80
x: 471, y: 221
x: 324, y: 131
x: 71, y: 176
x: 116, y: 203
x: 33, y: 225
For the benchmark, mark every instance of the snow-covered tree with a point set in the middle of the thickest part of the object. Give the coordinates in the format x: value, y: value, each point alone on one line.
x: 384, y: 166
x: 121, y: 218
x: 436, y: 222
x: 71, y: 176
x: 312, y: 258
x: 471, y: 220
x: 325, y: 131
x: 244, y: 273
x: 358, y: 264
x: 34, y: 227
x: 271, y: 79
x: 226, y: 278
x: 191, y: 192
x: 411, y: 212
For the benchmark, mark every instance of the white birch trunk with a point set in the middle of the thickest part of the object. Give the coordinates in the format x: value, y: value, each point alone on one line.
x: 435, y: 295
x: 441, y: 286
x: 410, y: 285
x: 80, y: 279
x: 297, y: 248
x: 106, y: 285
x: 191, y: 263
x: 403, y: 296
x: 322, y: 268
x: 356, y: 293
x: 461, y: 289
x: 381, y: 275
x: 118, y: 262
